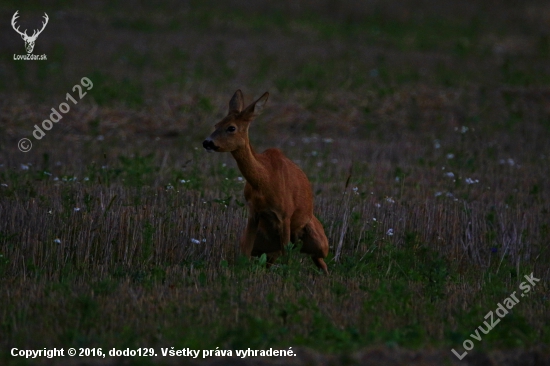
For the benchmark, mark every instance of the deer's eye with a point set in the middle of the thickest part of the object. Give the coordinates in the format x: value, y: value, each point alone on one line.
x: 231, y: 129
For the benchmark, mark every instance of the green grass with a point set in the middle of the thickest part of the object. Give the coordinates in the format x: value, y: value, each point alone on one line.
x: 413, y: 291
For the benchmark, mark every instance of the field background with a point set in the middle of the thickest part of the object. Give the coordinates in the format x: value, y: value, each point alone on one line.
x: 424, y: 127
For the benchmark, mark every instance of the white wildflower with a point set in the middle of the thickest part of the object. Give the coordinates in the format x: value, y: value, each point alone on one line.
x: 390, y: 232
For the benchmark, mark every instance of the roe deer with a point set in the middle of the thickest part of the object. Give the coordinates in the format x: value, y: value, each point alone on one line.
x: 277, y: 191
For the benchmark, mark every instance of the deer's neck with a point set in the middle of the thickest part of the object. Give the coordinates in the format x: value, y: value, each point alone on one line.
x: 249, y: 165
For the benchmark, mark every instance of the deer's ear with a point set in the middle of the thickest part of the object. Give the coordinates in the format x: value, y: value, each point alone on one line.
x: 256, y: 108
x: 236, y: 104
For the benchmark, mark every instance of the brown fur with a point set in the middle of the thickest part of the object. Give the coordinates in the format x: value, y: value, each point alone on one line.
x: 277, y: 191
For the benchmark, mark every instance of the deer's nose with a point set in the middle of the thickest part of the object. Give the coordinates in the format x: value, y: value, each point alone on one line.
x: 209, y: 145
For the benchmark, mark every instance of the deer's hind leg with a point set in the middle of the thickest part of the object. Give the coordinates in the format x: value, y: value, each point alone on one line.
x: 315, y: 243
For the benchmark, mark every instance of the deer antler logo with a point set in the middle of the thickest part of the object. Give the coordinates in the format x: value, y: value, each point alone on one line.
x: 29, y: 40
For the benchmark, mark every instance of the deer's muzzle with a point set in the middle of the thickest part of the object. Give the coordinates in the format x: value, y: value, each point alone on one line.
x: 209, y: 145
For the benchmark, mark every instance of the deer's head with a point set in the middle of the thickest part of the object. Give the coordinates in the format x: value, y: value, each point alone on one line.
x: 232, y: 132
x: 29, y: 40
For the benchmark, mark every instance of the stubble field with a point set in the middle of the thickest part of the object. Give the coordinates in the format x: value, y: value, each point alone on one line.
x: 424, y: 128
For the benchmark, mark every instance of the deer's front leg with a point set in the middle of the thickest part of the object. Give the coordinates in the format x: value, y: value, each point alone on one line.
x: 247, y: 243
x: 284, y: 234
